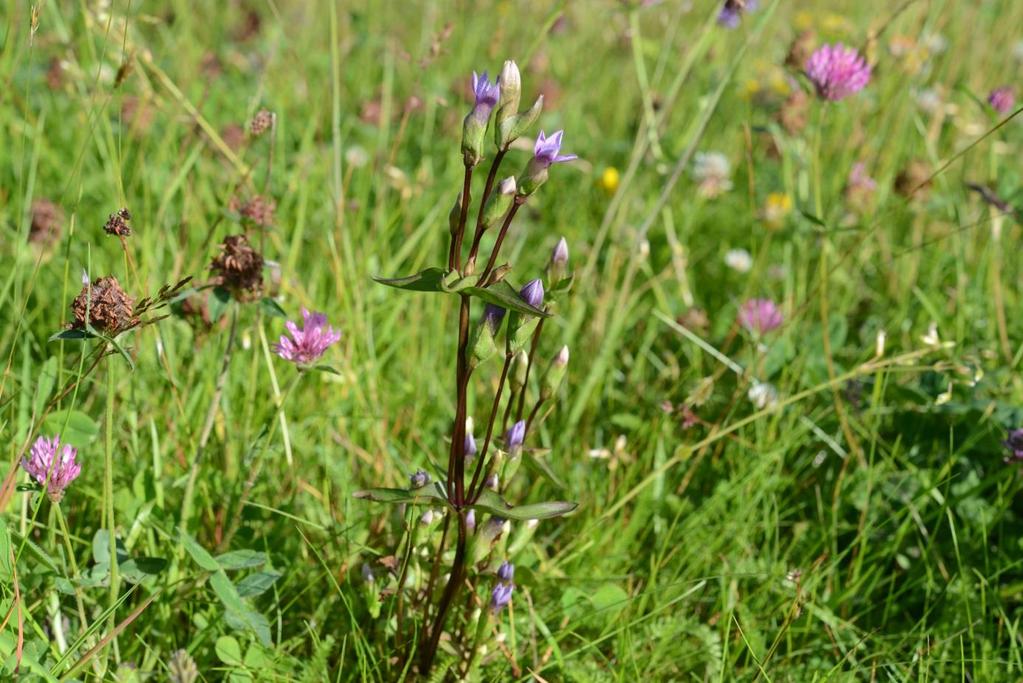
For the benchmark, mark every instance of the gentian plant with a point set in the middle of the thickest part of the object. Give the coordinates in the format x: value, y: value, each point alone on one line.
x: 469, y: 493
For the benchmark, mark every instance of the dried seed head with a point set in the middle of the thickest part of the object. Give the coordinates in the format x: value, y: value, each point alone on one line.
x: 239, y: 266
x: 47, y: 222
x: 105, y: 306
x: 263, y: 121
x: 117, y: 223
x: 182, y: 668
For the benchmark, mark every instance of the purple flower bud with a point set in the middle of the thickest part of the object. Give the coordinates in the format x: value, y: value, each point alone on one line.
x: 1015, y: 444
x: 760, y: 316
x: 501, y: 596
x: 1002, y: 100
x: 547, y: 151
x: 419, y: 479
x: 732, y: 11
x: 309, y: 343
x: 560, y: 254
x: 515, y: 437
x: 561, y: 360
x: 52, y: 465
x: 367, y: 573
x: 470, y: 445
x: 493, y: 316
x: 506, y: 572
x: 492, y: 482
x: 837, y: 71
x: 470, y: 520
x: 532, y: 293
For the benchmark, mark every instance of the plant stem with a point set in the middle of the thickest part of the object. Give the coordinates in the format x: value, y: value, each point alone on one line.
x: 474, y: 251
x: 455, y: 251
x: 473, y: 494
x: 108, y: 497
x: 207, y: 429
x: 519, y: 201
x: 529, y: 367
x: 457, y: 454
x: 429, y: 651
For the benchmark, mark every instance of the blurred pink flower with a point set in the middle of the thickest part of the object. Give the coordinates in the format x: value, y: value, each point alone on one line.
x: 760, y: 316
x: 52, y: 465
x: 309, y: 343
x: 837, y: 71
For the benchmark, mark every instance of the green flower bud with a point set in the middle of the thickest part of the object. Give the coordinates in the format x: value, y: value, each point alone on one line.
x: 518, y: 374
x: 499, y: 202
x: 455, y: 215
x: 510, y: 83
x: 554, y: 375
x: 511, y: 128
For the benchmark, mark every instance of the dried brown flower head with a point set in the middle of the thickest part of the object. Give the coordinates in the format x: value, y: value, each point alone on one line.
x: 239, y: 267
x: 117, y: 223
x: 793, y: 112
x: 263, y: 121
x: 914, y: 181
x: 47, y: 222
x: 800, y: 50
x: 105, y: 306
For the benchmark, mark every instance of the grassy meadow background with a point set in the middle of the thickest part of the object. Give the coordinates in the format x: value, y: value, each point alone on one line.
x: 863, y: 526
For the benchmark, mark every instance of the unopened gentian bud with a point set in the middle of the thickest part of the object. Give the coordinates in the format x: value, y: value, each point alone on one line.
x: 419, y: 479
x: 554, y: 375
x: 470, y: 520
x: 455, y: 215
x: 427, y: 518
x: 557, y: 267
x: 493, y: 316
x: 492, y: 482
x: 367, y: 573
x: 474, y: 128
x: 501, y: 596
x: 532, y: 293
x: 498, y: 202
x: 510, y: 83
x: 518, y: 375
x: 506, y: 572
x: 470, y: 445
x: 483, y: 344
x: 513, y: 128
x: 515, y: 437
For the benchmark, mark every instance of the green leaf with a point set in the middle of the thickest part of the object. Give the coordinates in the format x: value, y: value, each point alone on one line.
x: 71, y: 335
x: 428, y: 495
x: 136, y: 569
x: 101, y: 548
x: 327, y: 369
x: 239, y: 615
x: 229, y: 651
x: 609, y: 596
x: 74, y: 427
x: 198, y: 553
x: 257, y: 584
x: 218, y: 302
x: 240, y: 559
x: 495, y: 505
x: 272, y: 308
x: 429, y: 280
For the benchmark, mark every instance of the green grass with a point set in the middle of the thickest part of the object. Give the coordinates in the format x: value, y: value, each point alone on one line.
x: 866, y: 528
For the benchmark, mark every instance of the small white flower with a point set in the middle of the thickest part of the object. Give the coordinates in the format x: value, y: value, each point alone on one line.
x: 739, y: 260
x: 763, y: 395
x: 356, y: 156
x: 712, y: 172
x: 931, y: 338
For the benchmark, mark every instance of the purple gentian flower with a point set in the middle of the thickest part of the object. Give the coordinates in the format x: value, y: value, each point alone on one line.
x: 52, y: 465
x: 506, y: 572
x: 532, y: 293
x: 732, y: 11
x: 760, y: 316
x: 419, y: 479
x: 1015, y: 444
x: 470, y: 445
x: 486, y: 94
x: 501, y: 596
x: 516, y: 436
x: 309, y: 343
x: 1002, y: 100
x: 547, y: 151
x: 837, y: 71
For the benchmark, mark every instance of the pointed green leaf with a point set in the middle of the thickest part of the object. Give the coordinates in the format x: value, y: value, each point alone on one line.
x: 428, y: 495
x: 429, y: 280
x: 201, y: 556
x: 495, y: 505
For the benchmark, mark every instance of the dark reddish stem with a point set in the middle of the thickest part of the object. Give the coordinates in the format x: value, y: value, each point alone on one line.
x: 429, y: 652
x: 487, y: 189
x: 492, y: 261
x: 473, y: 494
x: 455, y: 250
